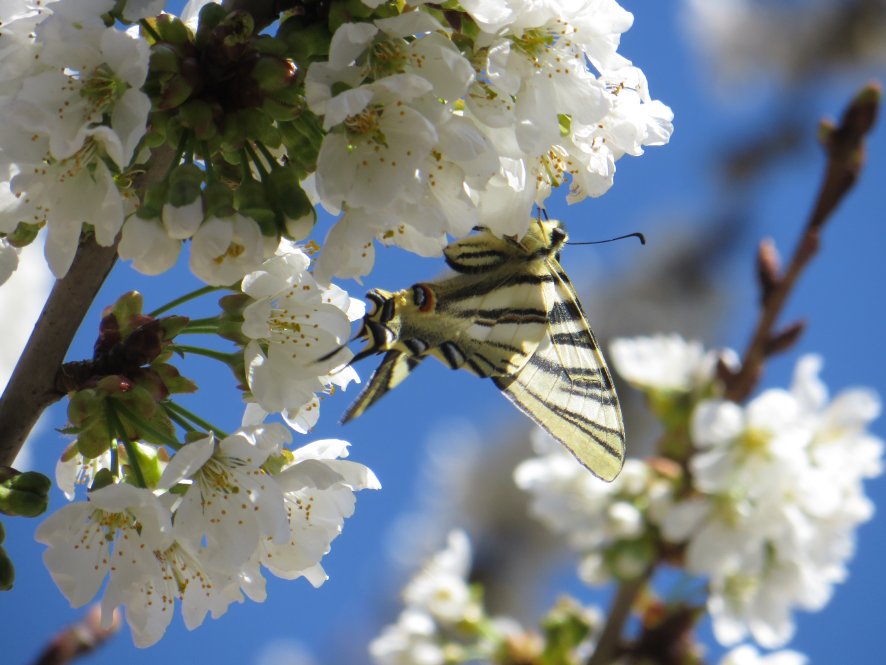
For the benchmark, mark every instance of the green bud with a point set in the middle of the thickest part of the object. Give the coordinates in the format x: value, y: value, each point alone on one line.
x: 273, y: 74
x: 127, y: 309
x: 211, y: 15
x: 185, y: 184
x: 164, y: 59
x: 25, y: 494
x: 218, y: 200
x: 199, y: 116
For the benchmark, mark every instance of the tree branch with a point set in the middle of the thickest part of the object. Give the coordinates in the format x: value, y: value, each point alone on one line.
x: 32, y: 386
x: 844, y: 146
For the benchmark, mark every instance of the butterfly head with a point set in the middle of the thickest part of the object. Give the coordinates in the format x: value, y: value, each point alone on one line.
x: 380, y: 325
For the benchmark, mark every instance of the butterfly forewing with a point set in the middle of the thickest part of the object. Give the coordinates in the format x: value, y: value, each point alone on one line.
x: 510, y: 314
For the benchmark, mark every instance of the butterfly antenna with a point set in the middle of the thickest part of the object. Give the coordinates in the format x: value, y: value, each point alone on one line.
x: 637, y: 235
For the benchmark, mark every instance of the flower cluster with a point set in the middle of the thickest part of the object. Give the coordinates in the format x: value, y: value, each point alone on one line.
x: 434, y: 128
x: 201, y: 530
x: 443, y: 614
x: 412, y: 124
x: 74, y: 114
x: 778, y: 496
x: 761, y: 500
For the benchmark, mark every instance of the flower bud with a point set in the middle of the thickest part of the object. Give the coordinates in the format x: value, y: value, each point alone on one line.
x: 25, y: 494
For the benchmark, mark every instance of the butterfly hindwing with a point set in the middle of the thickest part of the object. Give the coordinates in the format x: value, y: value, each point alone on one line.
x: 395, y: 367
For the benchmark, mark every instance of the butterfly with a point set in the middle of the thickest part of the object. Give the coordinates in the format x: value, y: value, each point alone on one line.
x: 511, y: 314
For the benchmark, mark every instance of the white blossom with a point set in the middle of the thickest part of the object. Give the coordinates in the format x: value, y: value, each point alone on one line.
x: 297, y: 328
x: 437, y: 600
x: 748, y: 655
x: 666, y: 363
x: 115, y: 533
x: 318, y: 491
x: 61, y: 157
x: 231, y: 503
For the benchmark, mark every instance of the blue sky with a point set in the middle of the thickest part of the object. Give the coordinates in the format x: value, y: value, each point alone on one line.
x: 838, y: 297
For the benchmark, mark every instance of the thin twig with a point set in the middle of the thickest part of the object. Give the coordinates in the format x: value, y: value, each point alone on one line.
x: 610, y: 642
x: 79, y: 639
x: 844, y: 146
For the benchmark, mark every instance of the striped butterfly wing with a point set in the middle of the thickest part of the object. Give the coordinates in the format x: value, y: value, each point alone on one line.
x: 566, y: 387
x: 395, y: 367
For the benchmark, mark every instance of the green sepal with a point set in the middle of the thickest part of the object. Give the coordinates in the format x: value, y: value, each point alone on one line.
x: 23, y: 235
x: 173, y: 325
x: 102, y: 478
x: 286, y: 194
x: 154, y: 200
x: 218, y: 200
x: 173, y: 380
x: 307, y: 39
x: 170, y: 29
x: 199, y: 116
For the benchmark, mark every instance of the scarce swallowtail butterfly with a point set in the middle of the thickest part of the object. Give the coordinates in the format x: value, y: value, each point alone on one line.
x: 510, y: 314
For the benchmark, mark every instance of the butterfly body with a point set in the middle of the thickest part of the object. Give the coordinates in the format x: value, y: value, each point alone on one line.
x: 509, y: 314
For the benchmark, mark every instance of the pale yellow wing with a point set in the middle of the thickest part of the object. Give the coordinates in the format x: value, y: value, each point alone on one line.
x: 567, y: 389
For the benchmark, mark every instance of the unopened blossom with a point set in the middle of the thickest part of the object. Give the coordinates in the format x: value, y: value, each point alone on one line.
x: 298, y: 328
x: 224, y: 249
x: 147, y: 244
x: 778, y: 497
